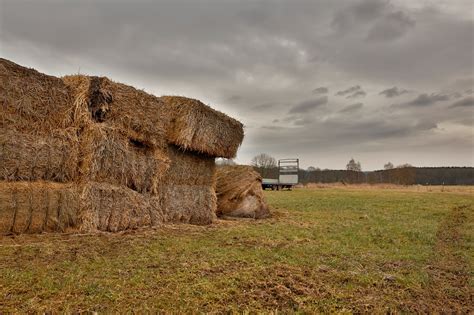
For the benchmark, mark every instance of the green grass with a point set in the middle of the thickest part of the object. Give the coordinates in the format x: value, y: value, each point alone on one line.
x: 324, y: 250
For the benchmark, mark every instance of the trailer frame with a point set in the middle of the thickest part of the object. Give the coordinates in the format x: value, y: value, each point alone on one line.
x: 287, y: 175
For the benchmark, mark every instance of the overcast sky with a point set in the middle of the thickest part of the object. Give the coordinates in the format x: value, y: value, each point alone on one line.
x: 322, y: 80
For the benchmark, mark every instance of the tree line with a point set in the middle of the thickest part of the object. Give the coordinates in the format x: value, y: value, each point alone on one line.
x: 404, y: 174
x: 401, y: 176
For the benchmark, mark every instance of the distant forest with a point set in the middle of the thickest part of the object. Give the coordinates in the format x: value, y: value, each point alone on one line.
x: 401, y: 176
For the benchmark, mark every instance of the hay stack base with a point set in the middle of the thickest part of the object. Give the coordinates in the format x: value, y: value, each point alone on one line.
x: 239, y: 193
x: 41, y: 206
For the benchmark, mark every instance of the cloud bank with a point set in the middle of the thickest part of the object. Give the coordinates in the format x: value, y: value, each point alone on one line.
x: 321, y: 80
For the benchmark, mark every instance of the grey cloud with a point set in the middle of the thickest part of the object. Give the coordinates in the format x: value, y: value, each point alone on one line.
x: 272, y: 127
x: 352, y: 108
x: 360, y: 12
x: 380, y: 20
x: 357, y: 94
x: 466, y: 121
x: 465, y: 102
x: 428, y: 99
x: 393, y: 92
x: 321, y: 90
x: 352, y: 92
x: 447, y: 42
x: 349, y: 90
x: 303, y: 121
x: 264, y: 107
x: 235, y: 98
x: 290, y: 118
x: 464, y: 83
x: 299, y: 120
x: 425, y: 125
x: 392, y: 26
x: 455, y: 95
x: 308, y: 105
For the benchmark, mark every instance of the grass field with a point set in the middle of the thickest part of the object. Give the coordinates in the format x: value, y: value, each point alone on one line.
x: 326, y: 249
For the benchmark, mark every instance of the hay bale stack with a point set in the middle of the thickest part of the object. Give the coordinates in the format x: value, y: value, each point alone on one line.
x: 239, y: 192
x: 123, y: 157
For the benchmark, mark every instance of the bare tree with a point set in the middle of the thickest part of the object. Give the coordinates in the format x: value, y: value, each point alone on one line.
x: 264, y: 160
x: 388, y: 166
x: 266, y: 165
x: 223, y: 162
x: 353, y: 166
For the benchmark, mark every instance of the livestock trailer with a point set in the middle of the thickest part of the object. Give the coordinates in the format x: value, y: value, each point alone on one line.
x: 287, y: 175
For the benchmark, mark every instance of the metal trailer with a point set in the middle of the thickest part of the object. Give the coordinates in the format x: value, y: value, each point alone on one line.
x: 287, y: 175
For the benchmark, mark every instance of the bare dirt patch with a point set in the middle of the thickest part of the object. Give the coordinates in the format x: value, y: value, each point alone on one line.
x: 448, y: 290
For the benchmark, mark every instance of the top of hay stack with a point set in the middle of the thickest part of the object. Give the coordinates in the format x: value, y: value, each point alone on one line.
x: 37, y: 102
x: 31, y: 101
x: 139, y: 115
x: 181, y: 121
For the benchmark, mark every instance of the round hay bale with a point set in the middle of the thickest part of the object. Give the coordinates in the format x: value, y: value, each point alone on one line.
x: 239, y: 192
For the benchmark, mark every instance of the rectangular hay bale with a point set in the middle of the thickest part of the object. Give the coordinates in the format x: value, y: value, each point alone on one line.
x: 187, y: 168
x: 53, y: 156
x: 106, y: 207
x: 189, y: 204
x: 35, y: 207
x: 111, y: 157
x: 197, y: 127
x: 139, y: 115
x: 32, y: 101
